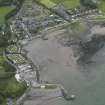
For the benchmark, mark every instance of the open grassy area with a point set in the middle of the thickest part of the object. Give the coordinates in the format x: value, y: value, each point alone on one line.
x: 101, y: 5
x: 3, y: 11
x: 48, y: 3
x: 69, y: 4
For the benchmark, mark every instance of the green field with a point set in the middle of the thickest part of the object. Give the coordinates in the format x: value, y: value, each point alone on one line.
x: 101, y: 5
x: 69, y: 4
x: 48, y: 3
x: 3, y: 11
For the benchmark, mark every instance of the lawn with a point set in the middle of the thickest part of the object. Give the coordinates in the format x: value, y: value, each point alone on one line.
x: 3, y: 11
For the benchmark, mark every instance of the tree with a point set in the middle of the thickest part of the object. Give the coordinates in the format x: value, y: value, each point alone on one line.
x: 90, y: 4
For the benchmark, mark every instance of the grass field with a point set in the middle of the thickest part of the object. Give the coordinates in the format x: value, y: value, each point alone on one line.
x: 3, y: 11
x: 48, y: 3
x: 101, y: 5
x: 69, y: 4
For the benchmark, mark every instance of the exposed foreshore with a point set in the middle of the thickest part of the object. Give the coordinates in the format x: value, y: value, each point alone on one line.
x: 54, y: 58
x: 37, y: 84
x: 36, y: 67
x: 41, y: 60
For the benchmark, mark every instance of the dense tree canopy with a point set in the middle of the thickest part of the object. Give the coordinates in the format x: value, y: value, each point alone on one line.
x: 4, y: 38
x: 7, y: 2
x: 90, y: 4
x: 3, y: 41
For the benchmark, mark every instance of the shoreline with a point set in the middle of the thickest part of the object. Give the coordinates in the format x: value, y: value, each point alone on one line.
x: 31, y: 64
x: 63, y: 91
x: 25, y: 53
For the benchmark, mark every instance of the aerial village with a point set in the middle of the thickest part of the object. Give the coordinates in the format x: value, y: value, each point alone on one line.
x: 31, y: 22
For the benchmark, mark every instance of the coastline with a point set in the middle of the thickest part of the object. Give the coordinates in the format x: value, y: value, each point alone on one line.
x: 33, y: 69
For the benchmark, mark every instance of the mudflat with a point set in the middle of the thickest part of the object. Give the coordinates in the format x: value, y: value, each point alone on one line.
x: 59, y: 65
